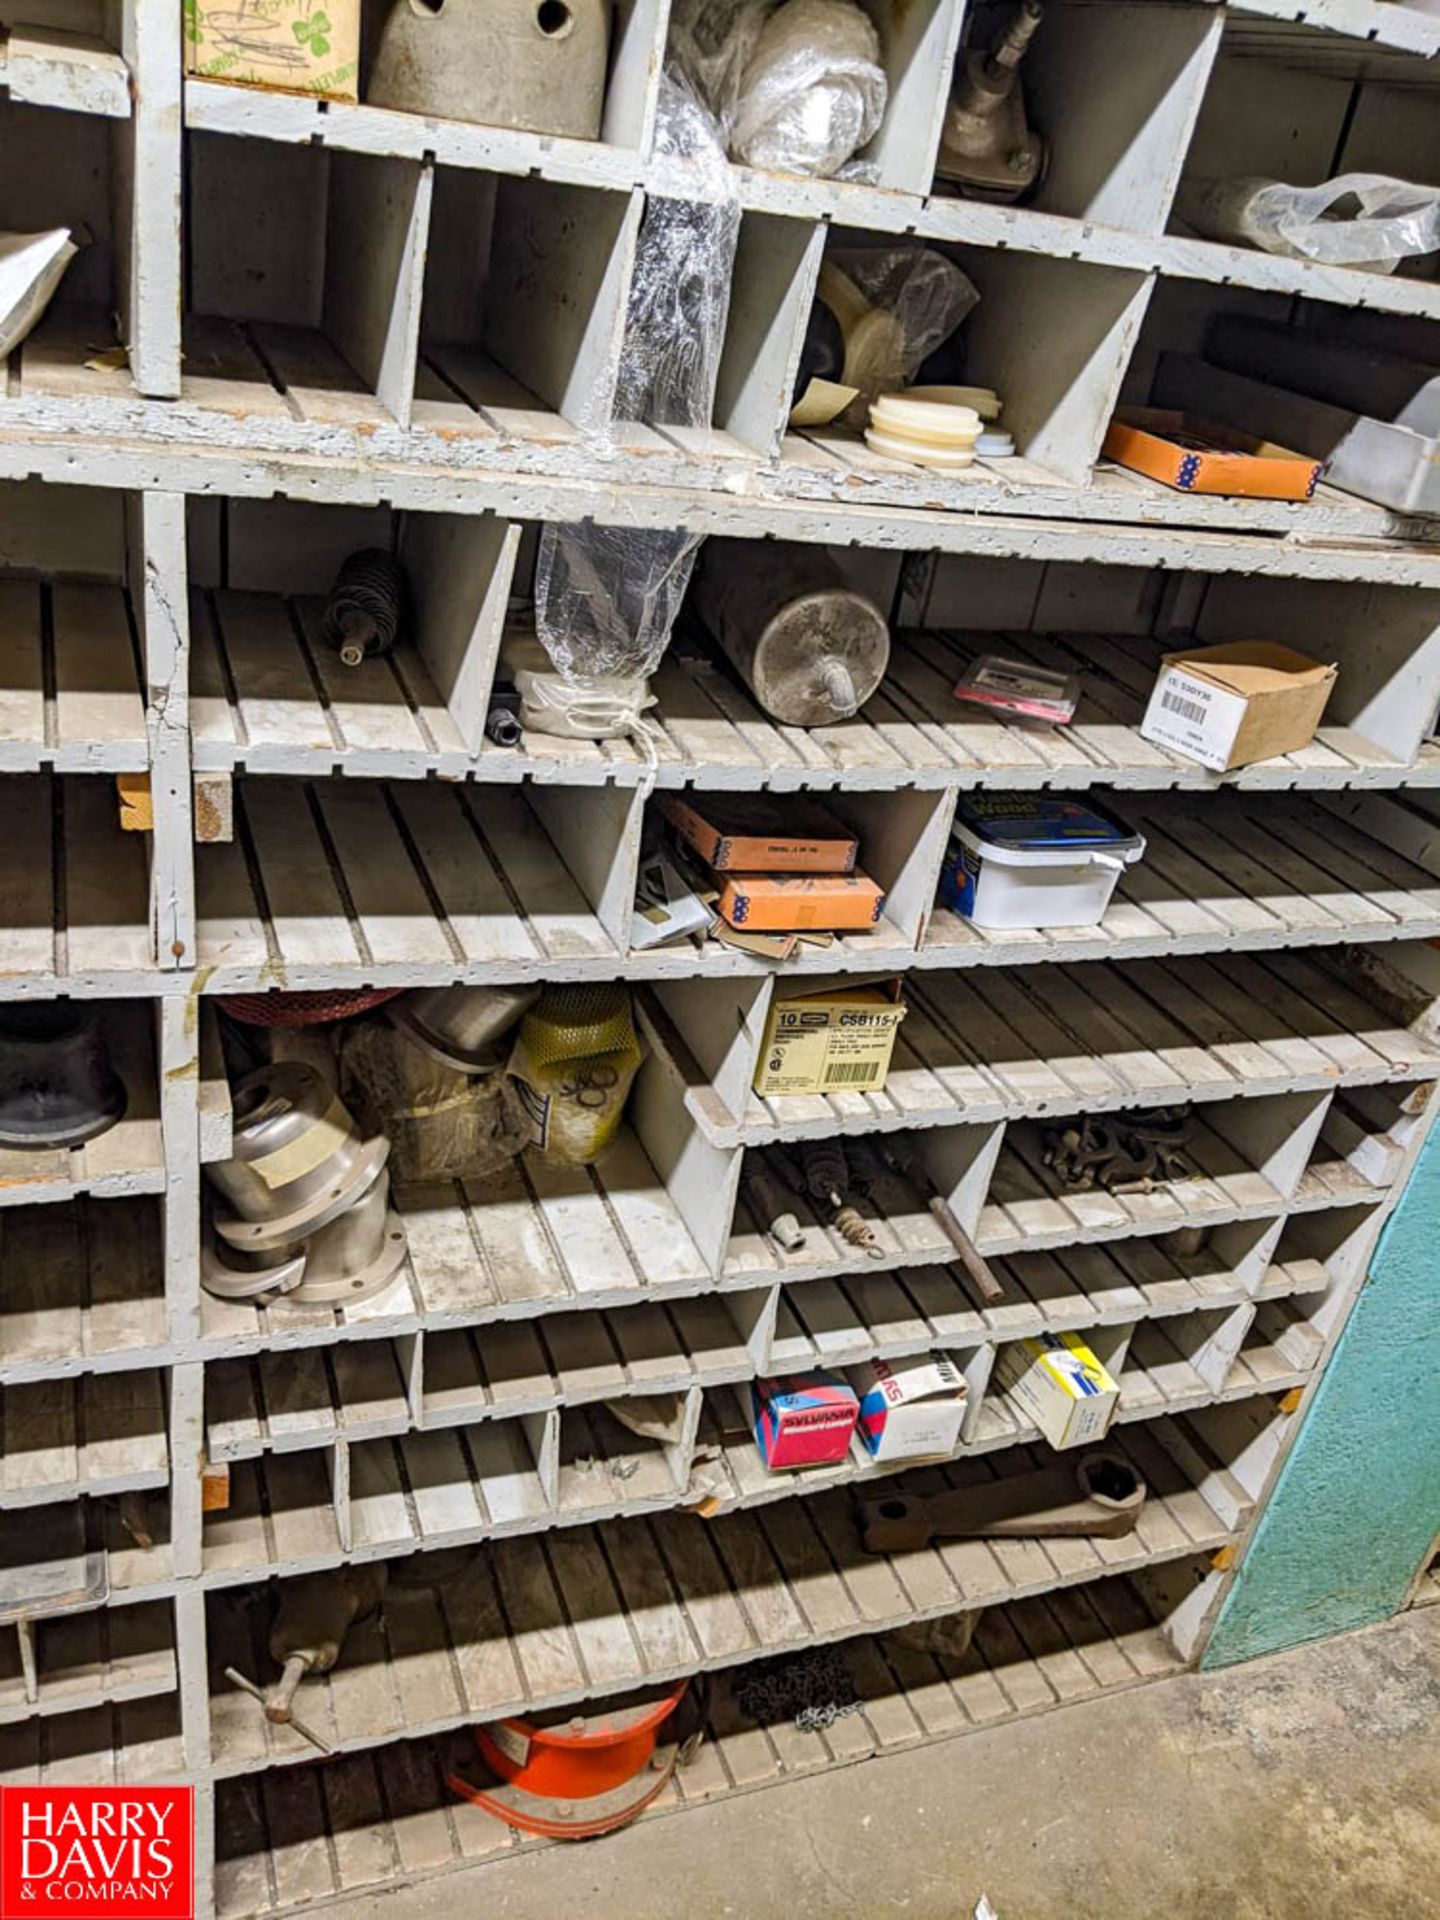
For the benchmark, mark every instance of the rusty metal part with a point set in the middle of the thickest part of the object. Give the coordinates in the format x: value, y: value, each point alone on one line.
x: 1097, y: 1496
x: 827, y: 1178
x: 247, y: 1685
x: 316, y: 1612
x: 856, y: 1231
x: 911, y: 1169
x: 1121, y: 1152
x: 534, y: 64
x: 988, y: 150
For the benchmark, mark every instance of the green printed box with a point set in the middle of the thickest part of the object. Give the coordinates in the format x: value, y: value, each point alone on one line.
x: 298, y: 46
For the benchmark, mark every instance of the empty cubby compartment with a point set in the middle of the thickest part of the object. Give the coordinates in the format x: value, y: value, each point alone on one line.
x: 1367, y: 1135
x: 73, y: 1552
x: 1113, y: 90
x: 66, y: 1663
x: 82, y: 1284
x: 525, y: 289
x: 302, y: 280
x: 432, y: 878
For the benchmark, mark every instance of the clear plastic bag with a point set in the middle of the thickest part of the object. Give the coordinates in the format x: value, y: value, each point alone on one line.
x: 895, y: 305
x: 797, y: 88
x: 606, y: 598
x: 1365, y: 220
x: 575, y: 1056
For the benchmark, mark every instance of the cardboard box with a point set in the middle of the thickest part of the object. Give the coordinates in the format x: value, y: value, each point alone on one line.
x: 295, y: 46
x: 824, y: 1039
x: 910, y: 1409
x: 753, y: 833
x: 1200, y: 457
x: 803, y: 1419
x: 667, y: 907
x: 796, y: 902
x: 1059, y: 1384
x: 1226, y: 706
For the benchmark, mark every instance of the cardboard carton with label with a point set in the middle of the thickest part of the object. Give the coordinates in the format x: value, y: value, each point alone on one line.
x: 1228, y: 706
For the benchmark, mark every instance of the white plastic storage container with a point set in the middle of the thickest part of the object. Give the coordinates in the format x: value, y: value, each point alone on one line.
x: 1033, y: 860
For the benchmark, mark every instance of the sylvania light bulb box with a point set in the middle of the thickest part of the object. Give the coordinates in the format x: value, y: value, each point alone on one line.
x: 909, y: 1409
x: 1064, y: 1388
x: 803, y: 1419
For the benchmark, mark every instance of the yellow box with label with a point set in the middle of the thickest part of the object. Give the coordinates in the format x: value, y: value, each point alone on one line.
x: 829, y: 1039
x: 1062, y: 1386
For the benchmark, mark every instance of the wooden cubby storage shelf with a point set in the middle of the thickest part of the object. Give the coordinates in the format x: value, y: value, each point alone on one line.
x: 90, y: 1660
x: 418, y: 350
x: 315, y: 1834
x: 417, y: 883
x: 636, y: 1601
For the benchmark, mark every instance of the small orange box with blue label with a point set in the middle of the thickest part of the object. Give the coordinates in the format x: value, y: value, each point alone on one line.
x: 803, y: 1419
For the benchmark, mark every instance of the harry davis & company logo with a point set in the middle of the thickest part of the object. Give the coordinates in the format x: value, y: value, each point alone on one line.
x: 99, y: 1851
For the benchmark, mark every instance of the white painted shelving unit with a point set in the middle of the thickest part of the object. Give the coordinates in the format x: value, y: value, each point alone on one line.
x: 375, y: 328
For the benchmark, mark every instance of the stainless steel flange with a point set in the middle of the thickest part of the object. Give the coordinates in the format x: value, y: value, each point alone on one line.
x: 297, y: 1163
x: 461, y: 1026
x: 249, y: 1281
x: 355, y: 1256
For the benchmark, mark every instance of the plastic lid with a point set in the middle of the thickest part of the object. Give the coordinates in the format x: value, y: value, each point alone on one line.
x: 921, y: 453
x: 1040, y: 822
x: 984, y: 400
x: 927, y: 419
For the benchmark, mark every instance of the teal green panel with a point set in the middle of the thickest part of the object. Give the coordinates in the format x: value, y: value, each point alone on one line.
x: 1358, y: 1500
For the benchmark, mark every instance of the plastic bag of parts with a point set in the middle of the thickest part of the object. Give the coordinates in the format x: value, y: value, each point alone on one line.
x: 31, y: 268
x: 1365, y: 220
x: 606, y: 598
x: 798, y: 88
x: 895, y: 305
x: 441, y: 1124
x: 574, y: 1060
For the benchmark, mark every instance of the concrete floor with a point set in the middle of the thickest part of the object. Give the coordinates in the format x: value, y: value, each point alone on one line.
x: 1303, y: 1785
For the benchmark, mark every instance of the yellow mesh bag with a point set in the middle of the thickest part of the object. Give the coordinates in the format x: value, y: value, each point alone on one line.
x: 574, y: 1060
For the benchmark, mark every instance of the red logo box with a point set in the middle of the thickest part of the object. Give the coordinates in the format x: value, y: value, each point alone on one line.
x: 100, y: 1851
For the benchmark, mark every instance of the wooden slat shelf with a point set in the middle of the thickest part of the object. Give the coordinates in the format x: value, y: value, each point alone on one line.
x: 76, y: 889
x: 89, y: 1659
x: 978, y: 1046
x: 123, y: 1745
x: 277, y: 702
x: 522, y: 1241
x: 89, y: 1537
x: 101, y: 1433
x: 319, y: 1834
x: 82, y: 1288
x: 268, y: 694
x: 43, y: 66
x: 72, y: 695
x: 332, y: 884
x: 629, y: 1603
x: 455, y: 1486
x: 126, y: 1160
x: 400, y: 878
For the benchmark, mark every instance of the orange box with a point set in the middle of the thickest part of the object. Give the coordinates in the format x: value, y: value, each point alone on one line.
x: 800, y: 902
x: 1199, y: 457
x: 753, y: 833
